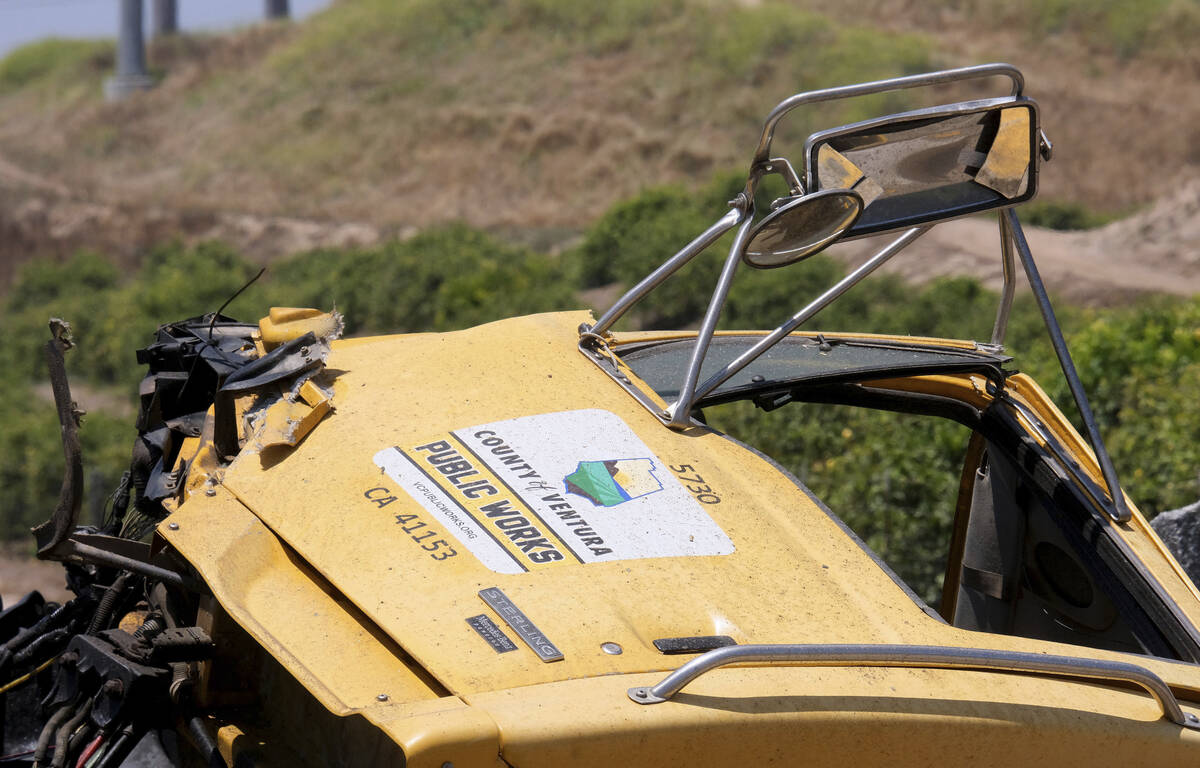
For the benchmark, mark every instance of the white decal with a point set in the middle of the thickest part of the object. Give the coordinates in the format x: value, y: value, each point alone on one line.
x: 554, y: 489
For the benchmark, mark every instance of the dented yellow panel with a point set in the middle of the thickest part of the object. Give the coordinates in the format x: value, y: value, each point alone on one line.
x: 266, y: 589
x: 516, y: 467
x: 790, y: 574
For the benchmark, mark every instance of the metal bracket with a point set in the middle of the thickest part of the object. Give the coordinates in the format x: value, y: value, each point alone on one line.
x: 923, y: 656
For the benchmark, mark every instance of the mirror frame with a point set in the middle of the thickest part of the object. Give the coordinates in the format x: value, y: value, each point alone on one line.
x: 813, y: 142
x: 813, y: 248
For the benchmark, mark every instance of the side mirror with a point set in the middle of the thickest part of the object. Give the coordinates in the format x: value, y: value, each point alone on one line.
x: 801, y: 227
x: 923, y: 167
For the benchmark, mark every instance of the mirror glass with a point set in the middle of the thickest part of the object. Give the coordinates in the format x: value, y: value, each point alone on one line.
x: 916, y: 170
x: 801, y: 227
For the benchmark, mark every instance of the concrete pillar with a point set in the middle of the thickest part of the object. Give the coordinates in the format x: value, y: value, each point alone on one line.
x: 131, y: 54
x: 276, y: 9
x: 165, y: 19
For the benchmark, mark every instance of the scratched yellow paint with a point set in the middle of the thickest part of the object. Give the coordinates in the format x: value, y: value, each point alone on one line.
x: 793, y: 576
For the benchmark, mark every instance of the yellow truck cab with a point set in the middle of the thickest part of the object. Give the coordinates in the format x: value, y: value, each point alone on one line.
x: 523, y: 545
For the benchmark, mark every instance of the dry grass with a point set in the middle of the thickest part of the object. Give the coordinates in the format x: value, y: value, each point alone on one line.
x: 531, y: 114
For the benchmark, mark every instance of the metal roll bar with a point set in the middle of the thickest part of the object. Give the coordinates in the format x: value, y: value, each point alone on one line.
x: 682, y: 407
x: 1119, y: 511
x: 879, y: 86
x: 734, y: 217
x: 925, y: 656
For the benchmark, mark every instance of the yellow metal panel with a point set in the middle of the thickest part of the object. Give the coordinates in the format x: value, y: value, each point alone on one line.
x: 266, y: 590
x: 435, y: 733
x: 794, y: 575
x: 282, y: 324
x: 837, y: 716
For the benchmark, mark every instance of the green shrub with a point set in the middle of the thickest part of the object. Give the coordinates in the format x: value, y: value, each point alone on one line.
x: 53, y: 61
x: 1053, y: 214
x: 448, y: 278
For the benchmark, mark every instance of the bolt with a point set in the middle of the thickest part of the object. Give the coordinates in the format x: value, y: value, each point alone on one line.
x: 173, y: 526
x: 640, y: 693
x: 612, y: 649
x: 757, y: 378
x: 113, y: 687
x: 210, y: 491
x: 381, y: 697
x: 447, y: 764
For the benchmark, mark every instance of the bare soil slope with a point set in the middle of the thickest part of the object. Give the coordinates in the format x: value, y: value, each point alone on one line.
x: 1155, y: 251
x: 376, y: 118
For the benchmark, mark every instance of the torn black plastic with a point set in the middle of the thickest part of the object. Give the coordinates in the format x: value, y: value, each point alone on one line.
x: 188, y: 361
x: 285, y: 362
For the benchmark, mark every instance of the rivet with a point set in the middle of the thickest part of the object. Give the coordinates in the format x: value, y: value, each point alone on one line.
x: 381, y: 697
x: 210, y: 491
x: 173, y: 526
x: 447, y: 764
x: 640, y: 693
x: 612, y: 649
x: 757, y: 378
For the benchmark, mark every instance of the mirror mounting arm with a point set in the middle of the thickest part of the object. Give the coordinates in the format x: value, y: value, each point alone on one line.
x: 1000, y: 328
x: 679, y: 412
x: 1120, y: 511
x: 779, y: 165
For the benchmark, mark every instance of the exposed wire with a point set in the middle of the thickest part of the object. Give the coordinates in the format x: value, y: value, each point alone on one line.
x: 89, y: 751
x: 212, y: 324
x: 229, y: 301
x: 64, y: 733
x: 24, y: 679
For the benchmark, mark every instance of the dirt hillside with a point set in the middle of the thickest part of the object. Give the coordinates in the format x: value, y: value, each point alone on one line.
x: 375, y: 118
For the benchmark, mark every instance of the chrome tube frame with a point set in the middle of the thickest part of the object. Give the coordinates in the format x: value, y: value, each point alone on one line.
x: 1000, y: 329
x: 736, y: 215
x: 923, y: 656
x: 1119, y: 511
x: 879, y: 86
x: 805, y: 314
x: 678, y: 412
x: 742, y: 206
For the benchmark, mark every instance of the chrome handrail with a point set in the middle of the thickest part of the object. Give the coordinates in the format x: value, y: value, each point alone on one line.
x: 929, y: 656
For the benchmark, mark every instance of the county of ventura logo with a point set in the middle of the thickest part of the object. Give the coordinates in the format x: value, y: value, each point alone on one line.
x: 609, y: 483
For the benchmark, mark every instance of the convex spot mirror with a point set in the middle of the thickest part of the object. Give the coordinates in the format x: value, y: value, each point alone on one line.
x: 801, y: 227
x: 927, y: 166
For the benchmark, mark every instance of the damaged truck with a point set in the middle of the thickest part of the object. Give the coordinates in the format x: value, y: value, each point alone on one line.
x: 523, y: 545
